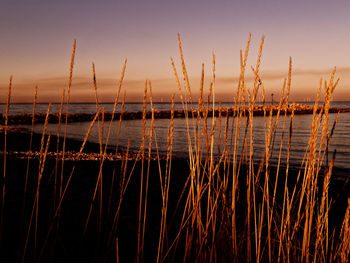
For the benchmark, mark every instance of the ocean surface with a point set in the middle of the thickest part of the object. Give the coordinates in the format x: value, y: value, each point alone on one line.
x: 131, y: 130
x: 19, y: 108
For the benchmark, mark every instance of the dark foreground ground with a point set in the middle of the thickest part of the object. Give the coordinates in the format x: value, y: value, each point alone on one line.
x: 66, y: 241
x: 61, y: 238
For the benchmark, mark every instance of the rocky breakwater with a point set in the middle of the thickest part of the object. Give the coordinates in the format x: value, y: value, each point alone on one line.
x: 258, y: 110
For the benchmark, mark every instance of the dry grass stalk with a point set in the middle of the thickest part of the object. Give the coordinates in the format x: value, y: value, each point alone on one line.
x: 322, y: 217
x: 287, y: 202
x: 325, y: 134
x: 243, y: 66
x: 239, y: 100
x: 242, y: 99
x: 57, y: 148
x: 184, y: 71
x: 116, y: 150
x: 148, y: 169
x: 269, y: 140
x: 201, y: 102
x: 100, y: 130
x: 42, y: 157
x: 103, y: 153
x: 190, y: 198
x: 304, y: 183
x: 139, y: 240
x: 115, y: 103
x: 31, y: 133
x: 257, y: 81
x: 251, y: 173
x: 187, y: 85
x: 8, y: 102
x: 101, y: 172
x: 314, y: 163
x: 67, y: 110
x: 95, y: 86
x: 343, y: 249
x: 211, y: 147
x: 120, y: 122
x: 236, y: 125
x: 166, y: 184
x: 225, y: 151
x: 30, y: 146
x: 88, y: 132
x: 219, y: 126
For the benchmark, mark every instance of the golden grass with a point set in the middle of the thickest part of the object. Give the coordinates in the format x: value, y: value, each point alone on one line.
x: 67, y: 110
x: 232, y: 206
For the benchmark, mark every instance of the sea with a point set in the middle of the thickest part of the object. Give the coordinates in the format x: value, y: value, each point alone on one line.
x: 131, y: 131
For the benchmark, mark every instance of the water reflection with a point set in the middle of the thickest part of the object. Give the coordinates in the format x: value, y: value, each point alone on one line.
x: 132, y: 130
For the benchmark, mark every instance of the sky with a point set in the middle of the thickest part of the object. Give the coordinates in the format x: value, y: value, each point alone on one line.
x: 37, y: 36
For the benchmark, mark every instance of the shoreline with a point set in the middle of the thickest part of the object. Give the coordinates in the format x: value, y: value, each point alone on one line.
x: 299, y: 109
x: 18, y: 148
x: 76, y: 205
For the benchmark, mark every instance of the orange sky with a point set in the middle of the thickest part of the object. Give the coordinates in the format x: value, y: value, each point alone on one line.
x: 304, y: 86
x: 37, y: 38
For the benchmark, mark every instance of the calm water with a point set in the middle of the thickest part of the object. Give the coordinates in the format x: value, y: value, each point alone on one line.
x: 19, y: 108
x: 132, y: 130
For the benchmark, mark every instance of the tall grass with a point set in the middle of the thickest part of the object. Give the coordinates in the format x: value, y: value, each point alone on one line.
x: 66, y: 113
x: 229, y: 205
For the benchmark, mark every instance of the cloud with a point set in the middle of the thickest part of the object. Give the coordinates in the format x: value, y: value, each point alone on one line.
x: 304, y: 85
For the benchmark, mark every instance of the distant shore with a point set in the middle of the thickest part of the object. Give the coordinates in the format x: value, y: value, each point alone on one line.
x: 258, y: 110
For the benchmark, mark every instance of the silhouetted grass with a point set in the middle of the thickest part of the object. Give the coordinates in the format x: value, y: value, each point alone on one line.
x: 207, y: 208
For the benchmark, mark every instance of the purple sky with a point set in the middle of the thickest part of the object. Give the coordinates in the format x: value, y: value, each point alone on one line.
x: 37, y: 36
